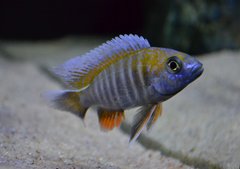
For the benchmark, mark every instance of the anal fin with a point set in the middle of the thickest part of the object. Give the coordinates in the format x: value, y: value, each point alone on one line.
x: 110, y: 119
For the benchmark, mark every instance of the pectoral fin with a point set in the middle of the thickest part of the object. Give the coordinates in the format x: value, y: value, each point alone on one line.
x: 110, y: 119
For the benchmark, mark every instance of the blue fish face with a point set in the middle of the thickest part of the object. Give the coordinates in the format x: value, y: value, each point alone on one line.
x: 178, y: 73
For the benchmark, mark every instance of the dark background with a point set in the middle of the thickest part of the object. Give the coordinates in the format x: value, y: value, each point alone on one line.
x: 187, y: 25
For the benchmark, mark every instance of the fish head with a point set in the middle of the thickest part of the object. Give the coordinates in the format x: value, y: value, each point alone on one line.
x: 179, y: 70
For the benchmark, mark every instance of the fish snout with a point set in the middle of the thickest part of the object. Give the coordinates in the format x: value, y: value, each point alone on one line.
x: 197, y: 70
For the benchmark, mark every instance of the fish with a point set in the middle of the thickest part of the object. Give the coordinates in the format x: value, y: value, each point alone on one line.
x: 121, y: 74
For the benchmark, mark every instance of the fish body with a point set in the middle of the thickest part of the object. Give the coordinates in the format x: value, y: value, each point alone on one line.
x: 124, y: 84
x: 124, y: 73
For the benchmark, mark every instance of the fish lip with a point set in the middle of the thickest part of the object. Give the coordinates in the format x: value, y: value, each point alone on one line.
x: 197, y: 71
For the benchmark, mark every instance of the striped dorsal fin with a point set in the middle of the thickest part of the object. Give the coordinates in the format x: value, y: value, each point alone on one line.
x: 79, y: 71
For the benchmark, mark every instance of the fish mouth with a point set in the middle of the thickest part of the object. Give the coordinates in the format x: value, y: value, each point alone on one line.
x: 197, y: 71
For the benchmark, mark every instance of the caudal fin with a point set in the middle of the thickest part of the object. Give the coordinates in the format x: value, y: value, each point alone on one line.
x: 67, y: 100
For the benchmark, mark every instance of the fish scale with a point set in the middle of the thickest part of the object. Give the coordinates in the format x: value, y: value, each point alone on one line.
x: 108, y: 93
x: 133, y: 85
x: 127, y: 86
x: 123, y: 84
x: 124, y: 73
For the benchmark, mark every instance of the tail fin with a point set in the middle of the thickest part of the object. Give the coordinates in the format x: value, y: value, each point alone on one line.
x: 67, y: 100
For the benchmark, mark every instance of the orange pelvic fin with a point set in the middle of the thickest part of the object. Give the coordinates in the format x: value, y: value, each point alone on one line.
x: 146, y: 116
x: 157, y: 111
x: 110, y: 119
x: 141, y: 120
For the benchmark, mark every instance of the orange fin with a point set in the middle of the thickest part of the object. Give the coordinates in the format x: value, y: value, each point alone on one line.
x: 157, y: 111
x: 110, y: 119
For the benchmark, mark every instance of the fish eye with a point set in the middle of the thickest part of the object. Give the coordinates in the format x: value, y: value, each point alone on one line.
x: 174, y: 64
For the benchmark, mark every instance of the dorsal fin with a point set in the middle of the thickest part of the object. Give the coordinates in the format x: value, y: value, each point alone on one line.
x: 78, y: 72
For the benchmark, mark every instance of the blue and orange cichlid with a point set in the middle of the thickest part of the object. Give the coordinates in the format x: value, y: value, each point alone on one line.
x: 124, y: 73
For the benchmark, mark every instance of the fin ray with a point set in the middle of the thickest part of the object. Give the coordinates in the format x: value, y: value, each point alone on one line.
x: 81, y: 70
x: 110, y: 119
x: 157, y: 111
x: 141, y: 119
x: 67, y: 100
